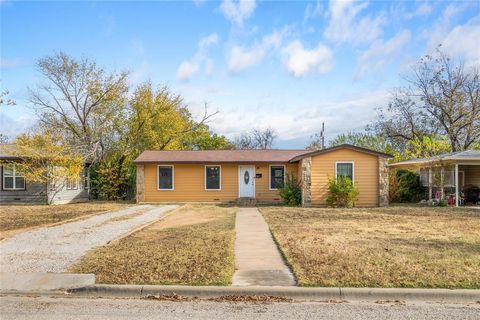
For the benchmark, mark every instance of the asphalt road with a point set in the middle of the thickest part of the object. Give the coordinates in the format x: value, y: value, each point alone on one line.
x: 12, y: 307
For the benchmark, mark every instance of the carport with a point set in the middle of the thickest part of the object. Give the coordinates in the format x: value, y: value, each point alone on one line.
x: 448, y: 173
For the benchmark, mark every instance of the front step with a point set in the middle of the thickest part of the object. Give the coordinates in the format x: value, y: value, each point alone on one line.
x: 246, y: 202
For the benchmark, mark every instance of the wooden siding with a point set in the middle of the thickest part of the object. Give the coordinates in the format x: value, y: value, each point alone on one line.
x: 365, y: 176
x: 36, y: 192
x: 62, y: 195
x: 262, y: 190
x: 189, y: 184
x: 472, y: 174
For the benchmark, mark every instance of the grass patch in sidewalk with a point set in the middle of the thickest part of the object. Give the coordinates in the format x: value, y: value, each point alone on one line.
x: 192, y: 246
x: 380, y: 247
x: 17, y: 218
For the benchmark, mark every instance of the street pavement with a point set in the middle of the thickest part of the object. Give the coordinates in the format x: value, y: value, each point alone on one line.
x: 42, y: 307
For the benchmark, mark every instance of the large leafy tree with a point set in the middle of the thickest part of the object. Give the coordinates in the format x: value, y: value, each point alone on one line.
x: 81, y: 100
x: 155, y: 119
x: 367, y: 140
x: 91, y: 109
x: 47, y: 157
x: 442, y: 98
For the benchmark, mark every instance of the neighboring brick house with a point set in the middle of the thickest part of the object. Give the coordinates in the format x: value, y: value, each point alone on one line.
x: 230, y: 175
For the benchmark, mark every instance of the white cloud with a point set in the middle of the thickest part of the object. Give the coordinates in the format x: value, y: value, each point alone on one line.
x: 436, y: 34
x: 189, y: 68
x: 299, y: 121
x: 207, y: 41
x: 312, y: 11
x: 345, y: 25
x: 16, y: 123
x: 462, y: 41
x: 301, y: 61
x: 11, y: 63
x: 237, y: 11
x: 199, y: 3
x: 241, y: 58
x: 209, y: 67
x: 139, y: 74
x: 423, y: 10
x: 457, y: 40
x: 380, y: 52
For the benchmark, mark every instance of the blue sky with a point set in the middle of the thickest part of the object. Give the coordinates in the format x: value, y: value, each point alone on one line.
x: 284, y: 65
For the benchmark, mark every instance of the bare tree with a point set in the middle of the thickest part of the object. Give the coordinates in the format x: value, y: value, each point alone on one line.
x: 4, y: 139
x: 5, y: 100
x: 442, y: 98
x: 81, y: 99
x: 256, y: 139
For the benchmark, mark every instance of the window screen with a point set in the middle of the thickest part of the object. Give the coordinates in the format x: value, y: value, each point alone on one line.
x: 345, y: 170
x: 165, y: 177
x: 276, y: 177
x: 212, y: 176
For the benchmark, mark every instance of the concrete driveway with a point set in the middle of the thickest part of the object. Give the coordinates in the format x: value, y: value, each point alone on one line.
x: 55, y: 249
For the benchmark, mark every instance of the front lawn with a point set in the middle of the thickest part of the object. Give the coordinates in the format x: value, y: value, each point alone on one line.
x: 17, y: 218
x: 192, y: 246
x: 380, y: 247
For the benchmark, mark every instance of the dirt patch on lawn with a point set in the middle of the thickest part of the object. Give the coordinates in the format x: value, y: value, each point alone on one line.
x: 191, y: 215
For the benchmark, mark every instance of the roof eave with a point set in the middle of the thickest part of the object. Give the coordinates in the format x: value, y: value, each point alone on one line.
x: 342, y: 146
x: 431, y: 161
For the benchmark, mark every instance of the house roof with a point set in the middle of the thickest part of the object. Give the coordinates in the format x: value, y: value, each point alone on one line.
x: 467, y: 155
x: 243, y: 156
x: 341, y: 146
x: 219, y: 156
x: 7, y: 152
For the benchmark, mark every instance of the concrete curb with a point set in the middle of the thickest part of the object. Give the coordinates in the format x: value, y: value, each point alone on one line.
x: 295, y: 293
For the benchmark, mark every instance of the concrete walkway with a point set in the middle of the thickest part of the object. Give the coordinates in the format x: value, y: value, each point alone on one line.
x: 257, y: 259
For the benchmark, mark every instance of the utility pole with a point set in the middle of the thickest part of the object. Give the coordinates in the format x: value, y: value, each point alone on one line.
x: 322, y: 135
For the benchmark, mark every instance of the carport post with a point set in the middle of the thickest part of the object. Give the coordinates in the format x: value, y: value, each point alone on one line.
x: 456, y: 184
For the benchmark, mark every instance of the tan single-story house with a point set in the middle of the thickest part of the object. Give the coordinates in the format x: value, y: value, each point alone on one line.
x: 230, y: 175
x: 448, y: 175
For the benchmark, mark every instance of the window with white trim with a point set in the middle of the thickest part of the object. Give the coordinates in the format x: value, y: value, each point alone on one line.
x: 277, y: 177
x: 72, y: 184
x: 345, y: 169
x: 13, y: 178
x: 213, y: 177
x: 165, y: 177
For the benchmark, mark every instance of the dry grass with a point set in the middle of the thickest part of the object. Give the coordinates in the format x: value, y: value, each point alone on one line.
x: 18, y: 218
x: 381, y: 247
x: 192, y: 246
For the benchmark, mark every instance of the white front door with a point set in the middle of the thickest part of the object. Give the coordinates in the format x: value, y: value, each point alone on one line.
x: 246, y: 181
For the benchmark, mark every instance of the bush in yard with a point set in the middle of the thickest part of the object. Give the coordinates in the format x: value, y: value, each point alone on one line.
x: 342, y: 192
x: 408, y: 186
x: 291, y: 192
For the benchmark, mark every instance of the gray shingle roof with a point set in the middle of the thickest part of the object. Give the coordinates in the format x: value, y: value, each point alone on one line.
x: 451, y: 156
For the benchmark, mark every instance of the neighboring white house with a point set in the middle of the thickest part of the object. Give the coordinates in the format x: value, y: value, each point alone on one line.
x: 447, y: 175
